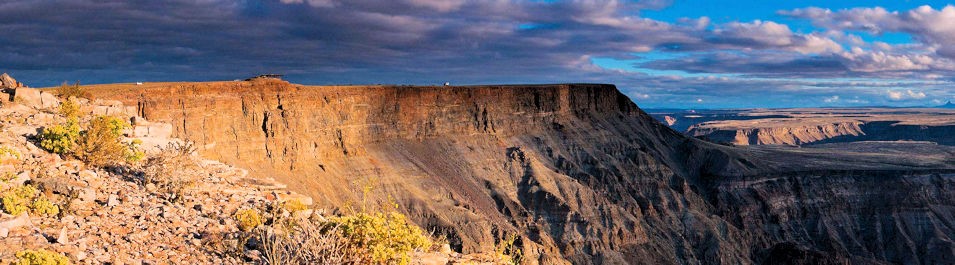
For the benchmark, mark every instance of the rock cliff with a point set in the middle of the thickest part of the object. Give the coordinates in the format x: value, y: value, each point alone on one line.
x: 577, y: 171
x: 818, y: 126
x: 788, y: 135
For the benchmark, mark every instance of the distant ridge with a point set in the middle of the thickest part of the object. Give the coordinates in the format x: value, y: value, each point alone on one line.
x: 948, y: 105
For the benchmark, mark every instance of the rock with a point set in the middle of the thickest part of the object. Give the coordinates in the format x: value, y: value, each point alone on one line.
x: 43, y: 119
x: 28, y: 96
x: 446, y: 249
x: 78, y: 255
x: 150, y: 187
x: 112, y: 201
x: 150, y: 129
x: 87, y: 174
x: 86, y: 194
x: 9, y: 223
x: 48, y: 101
x: 7, y: 82
x: 63, y: 238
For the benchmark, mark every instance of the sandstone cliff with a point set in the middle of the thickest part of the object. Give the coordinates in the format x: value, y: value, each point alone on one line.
x: 577, y: 171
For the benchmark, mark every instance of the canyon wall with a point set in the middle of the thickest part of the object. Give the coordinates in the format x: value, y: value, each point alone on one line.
x: 793, y: 131
x: 787, y: 135
x: 577, y: 171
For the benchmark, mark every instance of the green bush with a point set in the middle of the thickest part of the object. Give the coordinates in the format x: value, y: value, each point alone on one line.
x: 40, y: 257
x: 60, y: 139
x: 248, y: 219
x: 379, y: 238
x: 101, y: 143
x: 16, y: 200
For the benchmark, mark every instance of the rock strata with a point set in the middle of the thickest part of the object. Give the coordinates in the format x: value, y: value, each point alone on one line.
x: 578, y: 173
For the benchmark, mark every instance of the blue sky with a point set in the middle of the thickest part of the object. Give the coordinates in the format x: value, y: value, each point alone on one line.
x: 683, y: 54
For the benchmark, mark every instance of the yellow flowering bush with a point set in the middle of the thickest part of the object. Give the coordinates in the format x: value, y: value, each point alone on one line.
x: 248, y: 219
x: 378, y: 237
x: 16, y: 200
x: 40, y: 257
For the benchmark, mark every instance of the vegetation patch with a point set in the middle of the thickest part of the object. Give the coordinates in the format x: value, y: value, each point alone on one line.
x: 61, y: 138
x: 17, y: 200
x: 379, y: 237
x: 67, y: 90
x: 40, y: 257
x: 248, y: 219
x: 7, y: 152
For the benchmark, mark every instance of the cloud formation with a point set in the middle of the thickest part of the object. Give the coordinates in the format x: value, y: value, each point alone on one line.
x: 675, y: 63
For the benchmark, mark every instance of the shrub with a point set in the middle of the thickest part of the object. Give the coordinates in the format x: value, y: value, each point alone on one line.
x: 379, y: 237
x: 133, y: 152
x: 7, y: 176
x: 16, y: 199
x: 101, y: 144
x: 60, y: 139
x: 171, y: 170
x: 304, y: 243
x: 293, y: 206
x: 42, y: 206
x: 70, y: 109
x: 507, y: 250
x: 9, y: 152
x: 248, y: 219
x: 66, y: 90
x: 40, y: 257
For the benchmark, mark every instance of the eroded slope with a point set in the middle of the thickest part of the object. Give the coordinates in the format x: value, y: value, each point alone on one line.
x: 578, y: 171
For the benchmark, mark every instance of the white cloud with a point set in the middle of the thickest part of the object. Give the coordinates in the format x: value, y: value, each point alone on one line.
x: 831, y: 99
x: 905, y: 95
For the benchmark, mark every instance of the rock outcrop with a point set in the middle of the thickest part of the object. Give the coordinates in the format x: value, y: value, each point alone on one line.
x: 578, y: 172
x: 7, y: 82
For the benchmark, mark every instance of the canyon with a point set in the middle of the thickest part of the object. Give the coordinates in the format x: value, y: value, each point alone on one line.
x: 578, y: 172
x: 829, y: 125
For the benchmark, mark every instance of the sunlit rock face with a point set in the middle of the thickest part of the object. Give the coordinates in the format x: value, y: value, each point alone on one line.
x: 577, y: 171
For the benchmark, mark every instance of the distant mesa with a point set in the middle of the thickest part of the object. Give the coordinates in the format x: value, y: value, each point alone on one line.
x: 948, y: 105
x: 7, y: 82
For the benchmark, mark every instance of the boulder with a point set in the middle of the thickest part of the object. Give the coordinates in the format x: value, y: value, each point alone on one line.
x: 9, y: 222
x: 152, y: 129
x: 27, y: 96
x: 7, y: 82
x: 48, y: 101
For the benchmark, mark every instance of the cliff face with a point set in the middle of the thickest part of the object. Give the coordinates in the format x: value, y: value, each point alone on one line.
x: 577, y: 171
x: 790, y: 135
x: 817, y: 126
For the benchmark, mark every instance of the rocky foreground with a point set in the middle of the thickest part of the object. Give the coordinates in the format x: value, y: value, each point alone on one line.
x: 106, y: 215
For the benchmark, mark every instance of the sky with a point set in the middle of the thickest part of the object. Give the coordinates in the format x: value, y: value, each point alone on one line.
x: 662, y: 54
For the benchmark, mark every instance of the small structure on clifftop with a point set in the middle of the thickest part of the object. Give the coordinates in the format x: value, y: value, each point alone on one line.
x: 265, y: 76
